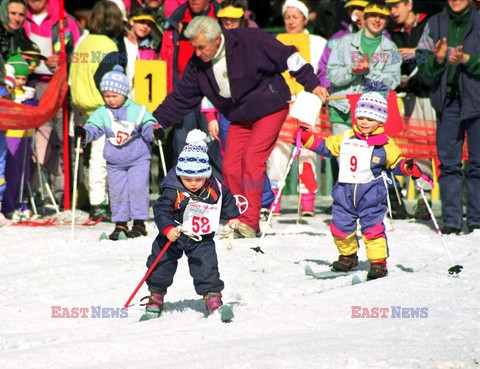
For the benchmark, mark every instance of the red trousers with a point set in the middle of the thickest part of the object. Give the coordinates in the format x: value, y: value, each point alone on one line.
x: 249, y: 145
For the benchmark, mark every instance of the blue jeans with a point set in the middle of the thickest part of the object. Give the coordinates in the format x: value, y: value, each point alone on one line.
x: 450, y: 136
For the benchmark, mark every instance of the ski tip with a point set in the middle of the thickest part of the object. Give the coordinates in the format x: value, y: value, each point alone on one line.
x: 103, y: 236
x: 356, y: 280
x: 122, y: 236
x: 226, y: 314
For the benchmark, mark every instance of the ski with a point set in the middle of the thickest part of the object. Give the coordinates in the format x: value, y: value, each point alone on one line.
x: 91, y: 221
x: 53, y: 221
x: 36, y: 223
x: 148, y: 315
x: 225, y: 313
x: 358, y: 278
x: 326, y: 274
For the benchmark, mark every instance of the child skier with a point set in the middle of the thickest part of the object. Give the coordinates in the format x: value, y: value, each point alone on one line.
x: 193, y: 198
x: 360, y: 193
x: 129, y: 129
x: 19, y: 147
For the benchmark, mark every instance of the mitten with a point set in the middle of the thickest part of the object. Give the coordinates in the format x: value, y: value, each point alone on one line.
x: 309, y: 140
x: 410, y: 168
x: 158, y: 134
x: 80, y: 132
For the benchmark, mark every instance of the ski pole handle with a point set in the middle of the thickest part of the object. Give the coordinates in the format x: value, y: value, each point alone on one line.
x: 149, y: 271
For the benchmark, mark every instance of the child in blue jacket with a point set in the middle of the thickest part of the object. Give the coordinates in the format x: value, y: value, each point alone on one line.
x: 129, y: 130
x: 360, y: 193
x: 193, y: 198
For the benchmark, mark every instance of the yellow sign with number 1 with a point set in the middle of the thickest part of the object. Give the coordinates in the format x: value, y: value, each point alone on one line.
x: 150, y: 83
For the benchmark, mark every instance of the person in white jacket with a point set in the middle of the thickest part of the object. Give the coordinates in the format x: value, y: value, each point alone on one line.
x: 295, y: 17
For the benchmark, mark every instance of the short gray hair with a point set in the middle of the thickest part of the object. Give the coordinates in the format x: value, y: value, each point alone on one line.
x: 203, y: 25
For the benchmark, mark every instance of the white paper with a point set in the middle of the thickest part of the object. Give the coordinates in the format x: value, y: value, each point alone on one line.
x: 306, y: 108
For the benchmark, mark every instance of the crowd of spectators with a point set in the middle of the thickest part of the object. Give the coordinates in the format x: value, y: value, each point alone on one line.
x: 241, y: 102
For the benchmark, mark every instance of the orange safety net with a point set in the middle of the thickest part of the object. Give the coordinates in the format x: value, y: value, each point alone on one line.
x: 17, y: 116
x: 416, y: 139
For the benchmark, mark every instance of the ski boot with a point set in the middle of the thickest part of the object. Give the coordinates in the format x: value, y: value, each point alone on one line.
x: 245, y: 231
x: 138, y: 229
x: 345, y: 263
x: 154, y: 305
x: 377, y: 270
x: 307, y: 201
x: 421, y: 210
x: 101, y: 211
x: 398, y: 207
x: 120, y: 232
x: 213, y: 303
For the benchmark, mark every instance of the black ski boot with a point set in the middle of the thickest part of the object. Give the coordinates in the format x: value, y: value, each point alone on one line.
x: 138, y: 229
x: 377, y: 270
x: 120, y: 232
x: 345, y: 263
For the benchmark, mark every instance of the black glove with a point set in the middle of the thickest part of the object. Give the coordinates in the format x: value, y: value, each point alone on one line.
x: 158, y: 134
x: 80, y: 132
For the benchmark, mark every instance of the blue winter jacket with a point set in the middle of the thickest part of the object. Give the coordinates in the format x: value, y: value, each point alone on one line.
x: 138, y: 147
x: 168, y: 210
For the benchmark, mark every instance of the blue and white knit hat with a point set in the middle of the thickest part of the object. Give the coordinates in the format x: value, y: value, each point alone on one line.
x: 115, y: 81
x: 373, y: 103
x: 193, y: 160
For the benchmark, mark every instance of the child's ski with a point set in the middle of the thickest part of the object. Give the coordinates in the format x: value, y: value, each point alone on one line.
x: 326, y: 274
x: 225, y: 313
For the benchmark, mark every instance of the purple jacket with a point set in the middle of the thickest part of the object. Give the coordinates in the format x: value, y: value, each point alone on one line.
x: 322, y: 63
x: 255, y: 62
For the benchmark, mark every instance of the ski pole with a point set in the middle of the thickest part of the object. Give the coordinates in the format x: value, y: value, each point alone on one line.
x: 230, y: 237
x: 22, y: 176
x: 149, y: 271
x: 295, y: 153
x: 162, y: 156
x: 455, y: 268
x: 75, y: 179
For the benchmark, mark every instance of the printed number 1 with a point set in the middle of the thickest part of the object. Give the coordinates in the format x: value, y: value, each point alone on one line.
x: 353, y: 163
x: 149, y: 77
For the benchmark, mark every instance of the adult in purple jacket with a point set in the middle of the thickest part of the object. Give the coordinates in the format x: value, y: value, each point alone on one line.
x: 239, y: 71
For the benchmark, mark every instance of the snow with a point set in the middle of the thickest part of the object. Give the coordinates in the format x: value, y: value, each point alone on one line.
x: 283, y: 319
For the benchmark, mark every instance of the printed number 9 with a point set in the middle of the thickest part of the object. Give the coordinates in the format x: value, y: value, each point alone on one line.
x: 353, y: 163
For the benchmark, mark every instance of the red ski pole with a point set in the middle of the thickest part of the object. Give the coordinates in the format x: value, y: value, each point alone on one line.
x: 149, y: 271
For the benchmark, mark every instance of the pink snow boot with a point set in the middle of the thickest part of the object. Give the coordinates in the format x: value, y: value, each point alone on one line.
x: 213, y: 301
x: 307, y: 201
x: 154, y: 305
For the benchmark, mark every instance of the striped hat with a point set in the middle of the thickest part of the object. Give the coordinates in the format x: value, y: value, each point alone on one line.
x: 193, y: 160
x: 373, y: 103
x: 115, y: 81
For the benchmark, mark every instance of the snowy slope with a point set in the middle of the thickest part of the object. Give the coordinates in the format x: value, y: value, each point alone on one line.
x: 283, y: 319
